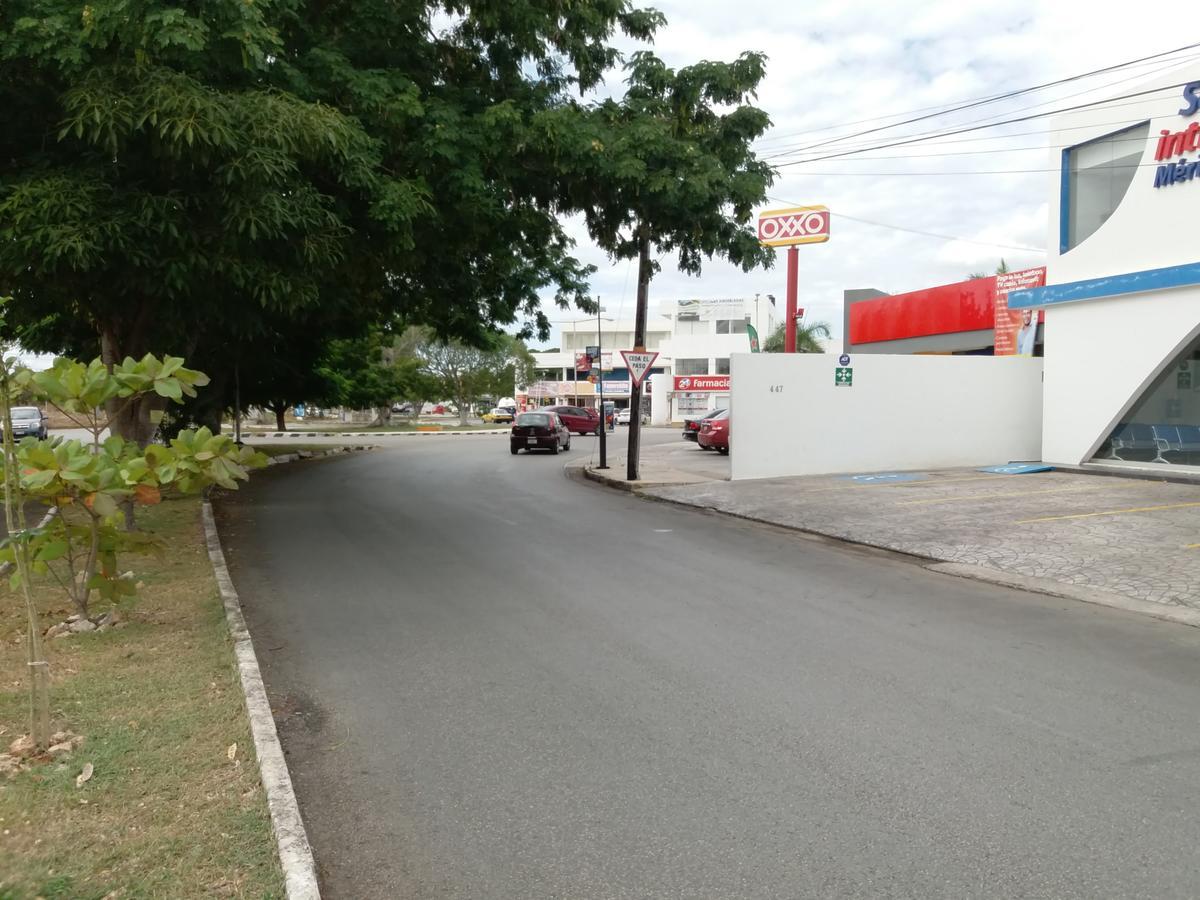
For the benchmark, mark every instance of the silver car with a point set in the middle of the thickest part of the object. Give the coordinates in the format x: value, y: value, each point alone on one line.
x: 29, y: 420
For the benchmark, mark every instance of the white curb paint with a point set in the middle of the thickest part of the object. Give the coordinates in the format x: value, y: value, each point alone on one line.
x: 295, y: 854
x: 373, y: 434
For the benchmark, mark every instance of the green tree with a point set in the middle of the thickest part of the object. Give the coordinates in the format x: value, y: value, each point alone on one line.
x: 204, y: 175
x: 466, y: 374
x: 808, y: 335
x: 668, y: 169
x: 1001, y: 269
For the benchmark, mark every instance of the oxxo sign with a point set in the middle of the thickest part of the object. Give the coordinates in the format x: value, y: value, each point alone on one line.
x: 1177, y: 143
x: 799, y: 225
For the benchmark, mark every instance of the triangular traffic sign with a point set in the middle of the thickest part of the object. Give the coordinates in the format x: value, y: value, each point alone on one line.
x: 638, y: 362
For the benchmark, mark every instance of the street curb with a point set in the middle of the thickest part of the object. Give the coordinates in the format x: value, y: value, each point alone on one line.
x: 295, y: 854
x: 1045, y: 586
x: 314, y: 454
x: 374, y: 434
x: 1050, y: 587
x: 632, y: 487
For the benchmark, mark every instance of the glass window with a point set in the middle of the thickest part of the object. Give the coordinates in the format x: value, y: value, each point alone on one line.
x: 731, y: 326
x: 691, y: 366
x: 538, y: 419
x: 1098, y: 174
x: 1163, y: 426
x: 722, y: 367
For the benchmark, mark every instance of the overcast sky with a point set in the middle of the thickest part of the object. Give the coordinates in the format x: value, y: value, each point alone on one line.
x: 835, y: 63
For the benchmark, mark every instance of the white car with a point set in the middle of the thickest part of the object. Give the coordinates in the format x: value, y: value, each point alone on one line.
x: 623, y: 416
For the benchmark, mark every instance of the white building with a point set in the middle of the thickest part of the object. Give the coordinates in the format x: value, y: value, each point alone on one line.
x: 694, y: 339
x: 1122, y: 294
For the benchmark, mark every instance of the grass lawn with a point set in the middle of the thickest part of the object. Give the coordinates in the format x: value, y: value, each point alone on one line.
x: 167, y: 812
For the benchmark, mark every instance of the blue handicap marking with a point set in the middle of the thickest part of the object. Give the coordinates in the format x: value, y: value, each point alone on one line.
x: 1017, y: 469
x: 885, y: 477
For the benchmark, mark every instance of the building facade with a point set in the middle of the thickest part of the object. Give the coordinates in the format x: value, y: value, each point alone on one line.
x: 694, y: 339
x: 1122, y: 294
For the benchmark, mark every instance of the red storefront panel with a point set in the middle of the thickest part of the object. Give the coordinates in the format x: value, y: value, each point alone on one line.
x: 947, y: 309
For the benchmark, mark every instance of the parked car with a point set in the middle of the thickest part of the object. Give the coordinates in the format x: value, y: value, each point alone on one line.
x: 29, y: 420
x: 691, y: 424
x: 624, y: 415
x: 544, y: 429
x: 578, y: 419
x: 499, y: 414
x: 714, y: 432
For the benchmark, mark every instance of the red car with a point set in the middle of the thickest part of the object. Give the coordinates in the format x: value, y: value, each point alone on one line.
x: 542, y: 429
x: 691, y: 425
x: 578, y: 419
x: 714, y: 432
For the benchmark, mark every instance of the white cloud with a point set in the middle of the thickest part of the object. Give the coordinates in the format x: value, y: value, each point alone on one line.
x: 836, y: 63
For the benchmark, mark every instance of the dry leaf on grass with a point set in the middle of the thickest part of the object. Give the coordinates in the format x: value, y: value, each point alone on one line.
x: 232, y: 751
x: 85, y: 775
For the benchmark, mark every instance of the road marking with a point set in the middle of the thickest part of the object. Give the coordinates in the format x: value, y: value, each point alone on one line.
x: 668, y: 531
x: 1062, y: 490
x: 1109, y: 512
x: 1191, y: 547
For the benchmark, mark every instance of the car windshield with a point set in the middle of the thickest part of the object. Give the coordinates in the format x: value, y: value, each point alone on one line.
x: 24, y: 413
x: 713, y: 413
x: 533, y: 419
x: 719, y: 414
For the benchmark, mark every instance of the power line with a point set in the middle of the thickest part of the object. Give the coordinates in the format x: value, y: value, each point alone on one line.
x: 944, y: 107
x: 932, y: 234
x: 970, y: 128
x: 1100, y: 104
x: 998, y: 97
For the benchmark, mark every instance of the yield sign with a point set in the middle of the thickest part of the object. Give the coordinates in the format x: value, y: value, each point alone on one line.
x: 638, y: 362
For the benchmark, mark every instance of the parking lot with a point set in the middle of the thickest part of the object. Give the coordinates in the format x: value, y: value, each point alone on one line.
x: 1127, y: 537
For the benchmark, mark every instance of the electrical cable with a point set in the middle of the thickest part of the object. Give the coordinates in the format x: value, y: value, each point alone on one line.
x: 933, y: 234
x: 971, y: 128
x: 1004, y: 96
x: 946, y: 108
x: 1103, y: 103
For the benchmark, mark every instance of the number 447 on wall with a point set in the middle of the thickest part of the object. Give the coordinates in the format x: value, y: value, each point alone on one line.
x: 776, y: 389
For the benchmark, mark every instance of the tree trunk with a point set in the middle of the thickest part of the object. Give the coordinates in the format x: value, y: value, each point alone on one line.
x: 132, y: 420
x: 279, y: 407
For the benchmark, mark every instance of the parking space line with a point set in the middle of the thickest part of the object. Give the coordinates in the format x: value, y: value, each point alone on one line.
x: 1191, y: 546
x: 1109, y: 512
x: 1011, y: 494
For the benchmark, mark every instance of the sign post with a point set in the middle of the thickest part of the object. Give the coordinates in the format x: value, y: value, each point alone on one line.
x: 789, y: 228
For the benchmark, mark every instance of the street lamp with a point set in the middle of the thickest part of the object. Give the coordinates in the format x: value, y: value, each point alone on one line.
x: 600, y: 352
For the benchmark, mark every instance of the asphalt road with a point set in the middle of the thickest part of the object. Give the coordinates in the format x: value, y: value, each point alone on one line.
x: 496, y: 682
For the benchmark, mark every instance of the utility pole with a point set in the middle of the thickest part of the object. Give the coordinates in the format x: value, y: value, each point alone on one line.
x: 603, y: 424
x: 639, y: 345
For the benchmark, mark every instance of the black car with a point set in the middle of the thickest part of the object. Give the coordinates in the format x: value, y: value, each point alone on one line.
x: 691, y: 424
x: 543, y: 430
x: 29, y: 420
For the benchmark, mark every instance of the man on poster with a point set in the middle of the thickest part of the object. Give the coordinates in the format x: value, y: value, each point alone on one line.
x: 1016, y: 330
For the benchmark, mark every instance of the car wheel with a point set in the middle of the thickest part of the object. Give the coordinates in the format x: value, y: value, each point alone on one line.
x: 554, y: 448
x: 514, y: 450
x: 567, y: 445
x: 724, y: 451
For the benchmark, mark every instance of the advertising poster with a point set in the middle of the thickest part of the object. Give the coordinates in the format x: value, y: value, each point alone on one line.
x: 1016, y: 329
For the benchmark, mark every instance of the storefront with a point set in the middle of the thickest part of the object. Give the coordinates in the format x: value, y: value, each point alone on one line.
x: 1122, y: 293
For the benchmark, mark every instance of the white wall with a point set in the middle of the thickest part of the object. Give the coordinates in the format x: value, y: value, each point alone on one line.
x: 1100, y: 354
x: 903, y: 412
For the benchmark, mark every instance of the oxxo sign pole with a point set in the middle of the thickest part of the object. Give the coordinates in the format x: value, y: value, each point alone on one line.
x: 789, y: 228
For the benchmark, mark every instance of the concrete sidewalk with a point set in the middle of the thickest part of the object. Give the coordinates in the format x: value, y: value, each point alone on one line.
x: 671, y: 463
x: 1118, y: 541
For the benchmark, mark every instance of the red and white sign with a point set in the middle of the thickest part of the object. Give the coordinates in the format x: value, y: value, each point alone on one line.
x: 798, y: 225
x: 701, y: 383
x: 638, y: 362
